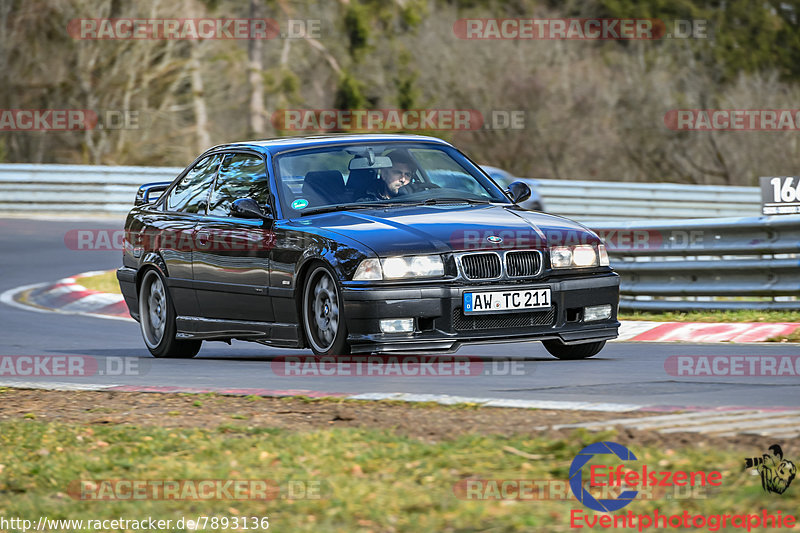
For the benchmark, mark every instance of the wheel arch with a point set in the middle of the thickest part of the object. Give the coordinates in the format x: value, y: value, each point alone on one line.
x: 151, y: 260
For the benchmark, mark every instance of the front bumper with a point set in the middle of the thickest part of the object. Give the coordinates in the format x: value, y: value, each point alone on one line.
x: 442, y: 326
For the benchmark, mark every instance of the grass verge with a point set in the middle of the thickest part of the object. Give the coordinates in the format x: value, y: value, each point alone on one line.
x: 105, y: 282
x: 367, y: 480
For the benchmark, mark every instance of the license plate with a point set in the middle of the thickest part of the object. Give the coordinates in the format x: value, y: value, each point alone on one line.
x: 485, y: 302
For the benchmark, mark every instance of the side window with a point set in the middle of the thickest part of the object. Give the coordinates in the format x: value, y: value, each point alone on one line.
x: 191, y: 193
x: 240, y: 176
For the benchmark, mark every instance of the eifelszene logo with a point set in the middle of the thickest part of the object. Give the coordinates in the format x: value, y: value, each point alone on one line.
x: 616, y: 476
x: 576, y: 480
x: 776, y: 472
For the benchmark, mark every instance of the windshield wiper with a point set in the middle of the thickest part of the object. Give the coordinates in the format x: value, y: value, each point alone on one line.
x: 344, y: 207
x: 447, y: 200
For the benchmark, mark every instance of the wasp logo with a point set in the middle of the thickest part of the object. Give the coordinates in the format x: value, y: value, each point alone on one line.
x: 776, y: 472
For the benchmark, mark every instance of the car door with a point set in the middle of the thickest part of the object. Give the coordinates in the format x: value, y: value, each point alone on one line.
x: 230, y: 265
x: 171, y: 234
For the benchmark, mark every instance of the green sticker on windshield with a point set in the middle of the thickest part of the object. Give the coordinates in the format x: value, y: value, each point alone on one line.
x: 301, y: 203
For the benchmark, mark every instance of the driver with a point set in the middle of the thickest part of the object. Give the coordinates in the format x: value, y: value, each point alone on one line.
x: 392, y: 179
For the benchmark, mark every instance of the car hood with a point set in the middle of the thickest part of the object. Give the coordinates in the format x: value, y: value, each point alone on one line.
x: 450, y: 228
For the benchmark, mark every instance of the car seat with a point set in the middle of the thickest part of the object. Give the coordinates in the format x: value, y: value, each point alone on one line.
x: 324, y: 187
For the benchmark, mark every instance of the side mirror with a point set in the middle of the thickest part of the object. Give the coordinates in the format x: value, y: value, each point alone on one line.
x: 248, y: 208
x: 146, y: 193
x: 519, y: 191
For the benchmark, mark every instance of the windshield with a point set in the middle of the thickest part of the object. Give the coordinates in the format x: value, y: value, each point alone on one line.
x: 371, y: 174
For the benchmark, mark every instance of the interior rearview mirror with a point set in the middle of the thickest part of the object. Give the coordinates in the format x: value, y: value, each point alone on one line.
x: 360, y: 163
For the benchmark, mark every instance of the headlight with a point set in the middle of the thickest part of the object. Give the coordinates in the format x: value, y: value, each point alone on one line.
x: 580, y: 256
x: 561, y: 256
x: 418, y: 266
x: 584, y: 256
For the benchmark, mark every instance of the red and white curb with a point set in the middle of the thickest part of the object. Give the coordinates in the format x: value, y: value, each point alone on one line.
x: 721, y: 422
x: 68, y: 296
x: 704, y: 332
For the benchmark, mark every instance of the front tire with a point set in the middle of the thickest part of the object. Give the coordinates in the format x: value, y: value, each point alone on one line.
x: 573, y: 351
x: 157, y: 320
x: 323, y: 320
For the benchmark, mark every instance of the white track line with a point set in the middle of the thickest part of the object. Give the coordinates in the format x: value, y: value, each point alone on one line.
x: 644, y: 421
x: 763, y: 424
x: 445, y: 399
x: 720, y: 423
x: 57, y: 385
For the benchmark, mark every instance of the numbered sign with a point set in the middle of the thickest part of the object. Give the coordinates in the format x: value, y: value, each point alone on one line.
x: 780, y: 195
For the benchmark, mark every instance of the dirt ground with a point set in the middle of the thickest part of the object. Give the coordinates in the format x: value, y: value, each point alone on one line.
x: 426, y: 422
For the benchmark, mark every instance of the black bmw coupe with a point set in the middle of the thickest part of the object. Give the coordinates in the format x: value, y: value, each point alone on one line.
x: 358, y: 244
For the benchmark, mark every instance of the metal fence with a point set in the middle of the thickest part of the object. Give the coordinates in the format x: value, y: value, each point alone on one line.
x: 107, y: 189
x: 729, y: 263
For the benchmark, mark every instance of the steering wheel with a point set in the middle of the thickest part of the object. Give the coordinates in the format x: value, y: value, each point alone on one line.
x: 416, y: 186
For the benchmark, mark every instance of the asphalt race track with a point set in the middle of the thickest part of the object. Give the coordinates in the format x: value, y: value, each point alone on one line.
x: 34, y: 251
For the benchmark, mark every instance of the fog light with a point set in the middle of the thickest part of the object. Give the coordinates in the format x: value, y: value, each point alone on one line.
x: 597, y: 312
x: 397, y: 325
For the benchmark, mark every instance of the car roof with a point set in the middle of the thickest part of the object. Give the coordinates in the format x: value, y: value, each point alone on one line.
x: 290, y: 143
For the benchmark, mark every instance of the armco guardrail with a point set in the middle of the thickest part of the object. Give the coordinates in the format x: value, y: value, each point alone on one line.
x: 729, y: 263
x: 107, y: 189
x: 75, y: 188
x: 594, y: 200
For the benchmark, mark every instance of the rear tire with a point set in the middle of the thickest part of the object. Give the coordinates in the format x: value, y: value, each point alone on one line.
x: 573, y: 351
x: 157, y: 319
